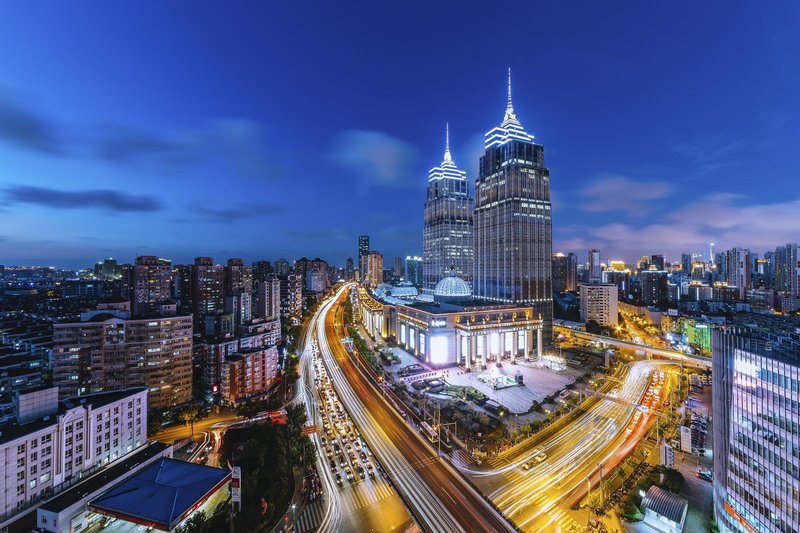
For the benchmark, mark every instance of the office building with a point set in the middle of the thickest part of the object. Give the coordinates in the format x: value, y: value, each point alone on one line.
x: 398, y: 270
x: 349, y: 270
x: 595, y: 266
x: 268, y: 298
x: 238, y: 277
x: 182, y: 287
x: 109, y: 350
x: 658, y: 262
x: 373, y: 269
x: 787, y: 269
x: 414, y: 270
x: 52, y: 444
x: 598, y: 302
x: 363, y: 251
x: 291, y: 287
x: 151, y: 284
x: 756, y: 377
x: 282, y: 267
x: 686, y: 264
x: 261, y: 271
x: 240, y: 306
x: 738, y: 270
x: 622, y: 279
x: 447, y: 227
x: 513, y: 221
x: 208, y: 289
x: 654, y: 284
x: 565, y: 272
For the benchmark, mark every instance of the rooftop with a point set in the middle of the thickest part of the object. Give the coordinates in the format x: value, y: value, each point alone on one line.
x: 162, y: 494
x: 665, y: 503
x: 105, y: 477
x: 14, y: 430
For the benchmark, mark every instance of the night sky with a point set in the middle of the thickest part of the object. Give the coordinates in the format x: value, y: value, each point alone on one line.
x: 283, y: 129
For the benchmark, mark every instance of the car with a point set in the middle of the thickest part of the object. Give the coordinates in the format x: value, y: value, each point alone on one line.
x: 348, y: 473
x: 332, y: 464
x: 707, y: 475
x: 370, y: 470
x: 541, y: 456
x: 338, y: 479
x: 527, y: 464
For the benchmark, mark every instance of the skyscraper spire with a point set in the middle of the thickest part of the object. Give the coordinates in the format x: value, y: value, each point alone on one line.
x: 509, y: 106
x: 447, y: 156
x: 510, y: 128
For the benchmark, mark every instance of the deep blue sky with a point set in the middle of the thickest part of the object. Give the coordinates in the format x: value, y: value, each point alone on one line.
x: 282, y: 129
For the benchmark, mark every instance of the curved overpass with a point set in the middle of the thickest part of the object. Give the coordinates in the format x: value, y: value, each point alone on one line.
x: 696, y: 361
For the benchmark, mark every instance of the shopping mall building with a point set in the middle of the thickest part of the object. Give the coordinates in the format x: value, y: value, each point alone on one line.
x: 449, y: 327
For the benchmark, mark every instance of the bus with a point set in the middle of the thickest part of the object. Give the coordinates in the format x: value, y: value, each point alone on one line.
x: 429, y: 433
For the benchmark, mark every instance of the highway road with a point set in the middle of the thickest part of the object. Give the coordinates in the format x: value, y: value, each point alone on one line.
x: 437, y: 495
x: 369, y: 504
x: 578, y: 455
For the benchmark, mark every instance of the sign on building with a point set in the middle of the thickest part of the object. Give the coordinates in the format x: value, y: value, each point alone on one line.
x: 686, y: 439
x: 236, y: 485
x: 667, y: 455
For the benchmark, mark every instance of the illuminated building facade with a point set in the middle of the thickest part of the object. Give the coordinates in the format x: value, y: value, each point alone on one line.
x: 599, y: 303
x: 413, y: 271
x: 151, y: 284
x: 107, y: 350
x: 447, y: 229
x: 513, y: 221
x: 373, y: 269
x: 756, y: 379
x: 469, y: 334
x: 565, y: 272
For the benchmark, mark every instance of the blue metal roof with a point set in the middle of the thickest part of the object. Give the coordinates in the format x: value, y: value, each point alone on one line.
x: 162, y: 494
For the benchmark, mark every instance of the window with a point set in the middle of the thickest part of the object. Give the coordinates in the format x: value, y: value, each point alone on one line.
x: 46, y: 439
x: 34, y: 469
x: 116, y: 443
x: 99, y: 439
x: 20, y: 475
x: 20, y: 462
x: 45, y: 464
x: 46, y: 451
x: 33, y: 483
x: 34, y: 444
x: 44, y: 477
x: 21, y: 449
x: 34, y: 456
x: 20, y: 490
x: 99, y: 450
x: 79, y: 448
x: 68, y: 442
x: 79, y: 425
x: 79, y: 437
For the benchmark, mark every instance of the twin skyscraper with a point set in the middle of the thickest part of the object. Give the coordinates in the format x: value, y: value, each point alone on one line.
x: 500, y: 241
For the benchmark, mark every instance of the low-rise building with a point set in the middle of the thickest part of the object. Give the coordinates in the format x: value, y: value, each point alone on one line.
x: 51, y: 444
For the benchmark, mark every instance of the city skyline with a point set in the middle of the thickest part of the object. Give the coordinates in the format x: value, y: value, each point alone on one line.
x: 186, y: 143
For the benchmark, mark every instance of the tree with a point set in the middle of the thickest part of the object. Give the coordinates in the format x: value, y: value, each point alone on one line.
x: 190, y: 415
x: 593, y: 327
x: 155, y: 419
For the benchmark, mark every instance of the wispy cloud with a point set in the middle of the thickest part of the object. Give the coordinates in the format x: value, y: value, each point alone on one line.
x: 25, y: 127
x: 376, y: 158
x: 721, y: 218
x: 233, y: 214
x: 85, y: 199
x: 236, y: 143
x: 612, y: 192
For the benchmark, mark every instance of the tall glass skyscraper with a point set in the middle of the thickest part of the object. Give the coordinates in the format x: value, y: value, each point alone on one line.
x: 513, y: 222
x: 447, y: 230
x: 756, y: 424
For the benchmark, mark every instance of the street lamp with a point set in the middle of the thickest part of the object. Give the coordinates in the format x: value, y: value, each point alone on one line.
x: 293, y: 508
